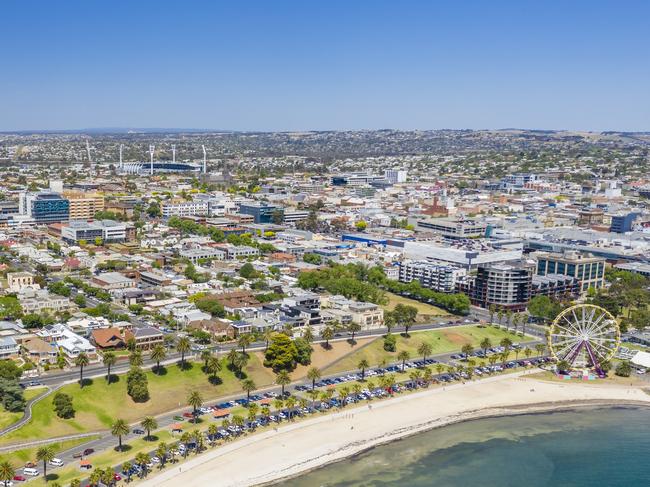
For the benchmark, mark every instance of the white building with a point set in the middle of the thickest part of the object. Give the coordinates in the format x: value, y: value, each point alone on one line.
x: 184, y: 208
x: 395, y: 176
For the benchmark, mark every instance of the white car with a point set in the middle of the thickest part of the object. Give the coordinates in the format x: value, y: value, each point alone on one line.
x: 32, y: 472
x: 57, y: 462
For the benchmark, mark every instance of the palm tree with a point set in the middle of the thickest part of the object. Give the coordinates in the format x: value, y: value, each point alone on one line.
x: 500, y: 316
x: 45, y: 454
x: 267, y: 336
x: 107, y: 478
x: 344, y: 392
x: 290, y: 403
x: 493, y: 310
x: 183, y: 346
x: 161, y: 452
x: 198, y: 441
x: 383, y: 364
x: 135, y: 359
x: 539, y: 348
x: 527, y: 352
x: 354, y: 328
x: 142, y: 459
x: 95, y: 477
x: 506, y: 343
x: 439, y: 368
x: 308, y: 334
x: 415, y: 376
x: 467, y: 350
x: 213, y: 366
x: 109, y: 358
x: 232, y: 357
x: 213, y: 429
x: 195, y: 400
x: 81, y: 361
x: 363, y: 365
x: 265, y: 411
x: 7, y: 473
x: 75, y: 483
x: 248, y: 386
x: 283, y: 379
x: 185, y: 440
x: 485, y: 344
x: 313, y: 395
x: 278, y: 403
x: 403, y: 356
x: 205, y: 356
x: 119, y: 428
x: 327, y: 334
x: 313, y: 374
x: 126, y: 469
x: 149, y: 423
x: 508, y: 319
x: 425, y: 349
x: 253, y: 409
x: 427, y: 375
x: 158, y: 354
x: 244, y: 340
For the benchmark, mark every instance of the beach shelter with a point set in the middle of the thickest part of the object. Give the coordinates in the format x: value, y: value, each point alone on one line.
x: 221, y: 413
x: 177, y: 427
x: 85, y: 464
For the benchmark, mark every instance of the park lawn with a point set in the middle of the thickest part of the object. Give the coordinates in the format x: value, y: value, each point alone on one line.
x: 425, y: 310
x: 443, y: 341
x: 7, y: 418
x: 18, y: 458
x: 98, y: 404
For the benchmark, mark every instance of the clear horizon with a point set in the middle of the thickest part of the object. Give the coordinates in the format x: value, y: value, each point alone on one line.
x: 289, y: 66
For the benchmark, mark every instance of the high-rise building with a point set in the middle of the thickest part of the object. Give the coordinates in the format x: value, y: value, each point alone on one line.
x: 395, y: 176
x: 44, y: 207
x: 506, y: 286
x: 437, y: 276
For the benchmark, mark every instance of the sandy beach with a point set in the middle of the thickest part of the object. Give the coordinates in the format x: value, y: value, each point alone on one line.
x: 298, y: 447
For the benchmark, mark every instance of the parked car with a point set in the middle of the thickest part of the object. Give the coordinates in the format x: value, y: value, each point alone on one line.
x: 56, y: 462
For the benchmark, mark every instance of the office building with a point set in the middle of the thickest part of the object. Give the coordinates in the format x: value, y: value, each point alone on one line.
x: 44, y: 207
x: 622, y: 223
x: 262, y: 212
x: 109, y: 231
x: 588, y: 269
x: 395, y: 176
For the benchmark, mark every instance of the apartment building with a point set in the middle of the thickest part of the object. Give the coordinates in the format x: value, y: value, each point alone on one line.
x: 436, y: 276
x: 108, y: 231
x: 180, y: 208
x: 83, y: 206
x: 506, y: 286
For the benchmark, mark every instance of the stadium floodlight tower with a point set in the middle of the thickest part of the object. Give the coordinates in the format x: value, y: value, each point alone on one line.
x: 151, y: 151
x: 121, y: 161
x: 174, y: 153
x: 205, y: 160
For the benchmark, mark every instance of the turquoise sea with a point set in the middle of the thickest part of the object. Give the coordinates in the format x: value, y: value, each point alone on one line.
x: 578, y: 448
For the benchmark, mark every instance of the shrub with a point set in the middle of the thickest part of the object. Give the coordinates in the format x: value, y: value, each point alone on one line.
x: 390, y: 343
x: 137, y: 385
x: 63, y: 405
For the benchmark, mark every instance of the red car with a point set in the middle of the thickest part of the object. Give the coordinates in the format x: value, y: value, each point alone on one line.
x: 188, y: 415
x: 19, y: 478
x: 117, y: 476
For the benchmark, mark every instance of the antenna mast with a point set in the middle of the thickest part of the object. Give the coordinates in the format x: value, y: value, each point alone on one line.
x: 205, y: 164
x: 121, y: 163
x: 151, y: 150
x: 174, y: 153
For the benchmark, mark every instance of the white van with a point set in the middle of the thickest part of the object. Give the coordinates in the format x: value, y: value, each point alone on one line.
x: 32, y: 472
x: 57, y: 462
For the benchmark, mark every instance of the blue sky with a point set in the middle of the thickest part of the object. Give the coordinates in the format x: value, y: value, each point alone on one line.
x: 298, y: 65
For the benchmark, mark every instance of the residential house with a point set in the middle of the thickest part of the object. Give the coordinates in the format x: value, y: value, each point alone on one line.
x: 145, y: 337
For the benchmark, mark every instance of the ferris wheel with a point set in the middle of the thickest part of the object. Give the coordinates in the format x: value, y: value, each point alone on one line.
x: 584, y: 335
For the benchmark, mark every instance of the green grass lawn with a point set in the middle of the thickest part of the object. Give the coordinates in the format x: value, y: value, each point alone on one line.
x: 442, y: 341
x: 97, y: 405
x: 424, y: 310
x: 7, y: 418
x: 18, y: 458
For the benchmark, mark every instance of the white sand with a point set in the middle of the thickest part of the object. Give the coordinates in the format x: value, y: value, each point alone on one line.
x: 301, y: 446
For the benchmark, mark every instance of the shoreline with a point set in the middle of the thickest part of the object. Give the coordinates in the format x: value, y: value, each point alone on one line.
x: 514, y: 411
x: 294, y: 449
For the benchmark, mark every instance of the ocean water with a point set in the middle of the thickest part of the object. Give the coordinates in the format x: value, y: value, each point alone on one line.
x: 580, y: 448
